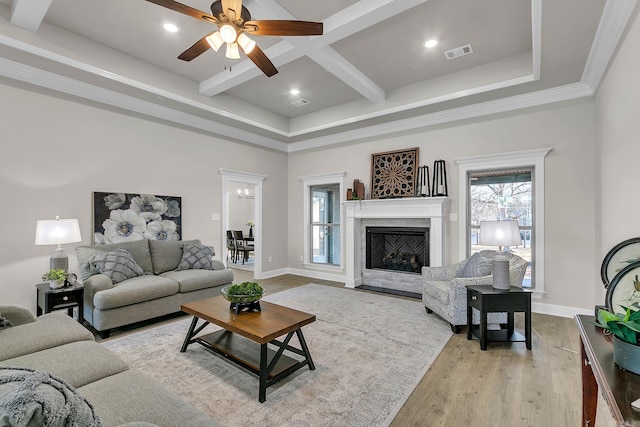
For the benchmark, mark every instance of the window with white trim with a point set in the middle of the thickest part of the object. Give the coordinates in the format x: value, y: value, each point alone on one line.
x: 322, y: 219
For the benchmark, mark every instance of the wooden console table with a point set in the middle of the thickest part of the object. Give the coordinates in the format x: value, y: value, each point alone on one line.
x: 618, y: 387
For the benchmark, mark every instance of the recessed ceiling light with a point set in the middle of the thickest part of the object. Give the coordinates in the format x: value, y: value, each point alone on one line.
x: 431, y: 43
x: 294, y: 92
x: 170, y: 27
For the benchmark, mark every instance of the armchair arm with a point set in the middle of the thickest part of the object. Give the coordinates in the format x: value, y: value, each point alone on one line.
x: 217, y: 265
x: 439, y: 274
x: 16, y: 314
x: 93, y: 285
x: 463, y: 282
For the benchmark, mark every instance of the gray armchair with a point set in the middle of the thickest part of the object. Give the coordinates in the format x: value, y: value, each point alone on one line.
x: 445, y: 291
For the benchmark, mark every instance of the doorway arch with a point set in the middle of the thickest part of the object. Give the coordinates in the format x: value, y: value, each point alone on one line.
x: 229, y: 179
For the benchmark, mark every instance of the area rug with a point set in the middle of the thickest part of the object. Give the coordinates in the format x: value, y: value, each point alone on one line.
x: 247, y: 266
x: 370, y: 351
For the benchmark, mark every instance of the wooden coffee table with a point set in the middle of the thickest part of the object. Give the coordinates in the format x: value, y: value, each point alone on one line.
x: 245, y: 336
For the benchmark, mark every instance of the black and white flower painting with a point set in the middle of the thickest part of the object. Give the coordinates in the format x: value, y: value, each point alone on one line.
x: 122, y: 217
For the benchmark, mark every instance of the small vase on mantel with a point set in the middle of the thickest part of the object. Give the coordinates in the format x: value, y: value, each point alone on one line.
x: 251, y: 232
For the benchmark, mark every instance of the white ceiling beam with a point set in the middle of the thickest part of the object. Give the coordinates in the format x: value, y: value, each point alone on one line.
x: 29, y: 14
x: 355, y: 18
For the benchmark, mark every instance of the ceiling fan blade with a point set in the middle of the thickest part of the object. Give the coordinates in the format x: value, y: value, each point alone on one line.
x: 197, y: 49
x: 184, y: 9
x: 283, y: 28
x: 260, y: 59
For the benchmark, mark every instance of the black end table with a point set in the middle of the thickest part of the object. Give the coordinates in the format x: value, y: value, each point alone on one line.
x: 66, y: 297
x: 486, y: 299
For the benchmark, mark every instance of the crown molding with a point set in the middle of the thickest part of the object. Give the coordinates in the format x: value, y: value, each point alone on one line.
x: 558, y: 94
x: 613, y: 22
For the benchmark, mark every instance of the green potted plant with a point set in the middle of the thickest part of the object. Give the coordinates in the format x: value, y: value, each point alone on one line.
x: 625, y: 328
x: 56, y: 278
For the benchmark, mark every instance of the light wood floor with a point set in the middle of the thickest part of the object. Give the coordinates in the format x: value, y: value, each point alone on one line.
x: 505, y: 385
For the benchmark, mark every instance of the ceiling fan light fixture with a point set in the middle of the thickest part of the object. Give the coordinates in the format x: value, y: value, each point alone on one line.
x: 246, y: 43
x: 228, y: 33
x: 215, y: 40
x: 232, y: 51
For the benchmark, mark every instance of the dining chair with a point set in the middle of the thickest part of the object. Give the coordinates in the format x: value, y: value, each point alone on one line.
x: 243, y: 245
x: 231, y: 246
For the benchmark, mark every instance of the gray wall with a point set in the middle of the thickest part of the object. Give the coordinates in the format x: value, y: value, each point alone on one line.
x: 618, y: 148
x: 56, y: 152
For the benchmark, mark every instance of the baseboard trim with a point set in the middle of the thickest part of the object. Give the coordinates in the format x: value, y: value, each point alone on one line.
x: 536, y: 307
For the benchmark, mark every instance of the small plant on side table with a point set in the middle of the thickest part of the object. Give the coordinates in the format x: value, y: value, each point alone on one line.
x: 55, y: 277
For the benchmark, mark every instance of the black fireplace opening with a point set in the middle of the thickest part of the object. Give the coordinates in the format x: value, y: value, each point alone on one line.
x: 403, y: 249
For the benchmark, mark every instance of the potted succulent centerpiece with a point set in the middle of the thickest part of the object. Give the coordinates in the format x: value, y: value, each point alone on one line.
x: 56, y: 278
x: 625, y: 328
x: 244, y: 296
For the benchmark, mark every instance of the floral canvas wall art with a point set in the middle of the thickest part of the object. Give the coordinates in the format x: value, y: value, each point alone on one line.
x: 122, y: 217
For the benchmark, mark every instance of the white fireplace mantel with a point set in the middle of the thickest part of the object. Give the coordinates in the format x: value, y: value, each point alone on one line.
x: 433, y: 208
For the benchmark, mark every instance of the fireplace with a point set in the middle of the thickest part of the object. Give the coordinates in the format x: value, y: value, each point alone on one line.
x: 399, y: 249
x: 428, y: 213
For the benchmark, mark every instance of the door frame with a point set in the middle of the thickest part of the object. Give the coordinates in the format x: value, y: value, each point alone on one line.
x: 229, y: 179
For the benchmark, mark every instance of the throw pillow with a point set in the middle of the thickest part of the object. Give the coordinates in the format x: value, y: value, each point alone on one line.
x: 4, y: 323
x: 34, y: 398
x: 196, y: 257
x: 477, y: 266
x: 119, y: 265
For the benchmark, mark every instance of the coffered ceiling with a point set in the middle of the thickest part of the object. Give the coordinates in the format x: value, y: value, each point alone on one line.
x: 369, y: 74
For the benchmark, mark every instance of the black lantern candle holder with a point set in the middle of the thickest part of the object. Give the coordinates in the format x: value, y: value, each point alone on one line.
x: 439, y: 187
x: 422, y: 183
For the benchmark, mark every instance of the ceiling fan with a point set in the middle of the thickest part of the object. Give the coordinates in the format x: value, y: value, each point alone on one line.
x: 234, y: 23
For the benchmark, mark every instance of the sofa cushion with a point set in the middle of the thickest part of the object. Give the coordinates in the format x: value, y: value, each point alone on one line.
x: 133, y: 291
x: 196, y: 257
x: 78, y: 363
x: 477, y: 266
x: 167, y: 254
x: 35, y: 398
x: 49, y: 330
x: 139, y: 250
x: 192, y: 280
x: 133, y: 396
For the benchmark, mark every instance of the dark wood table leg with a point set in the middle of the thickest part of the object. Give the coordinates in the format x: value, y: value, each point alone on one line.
x: 483, y: 324
x: 589, y: 391
x: 262, y: 394
x: 527, y: 323
x: 305, y: 349
x: 192, y: 333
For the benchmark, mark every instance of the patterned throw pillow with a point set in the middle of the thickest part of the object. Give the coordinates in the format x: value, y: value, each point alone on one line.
x: 477, y: 266
x: 4, y: 323
x: 119, y: 265
x: 196, y: 257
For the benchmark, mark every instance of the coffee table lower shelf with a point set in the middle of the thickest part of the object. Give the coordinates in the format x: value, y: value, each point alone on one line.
x: 244, y: 352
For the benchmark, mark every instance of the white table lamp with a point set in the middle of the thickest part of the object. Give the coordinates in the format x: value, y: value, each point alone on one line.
x: 58, y: 232
x: 500, y: 233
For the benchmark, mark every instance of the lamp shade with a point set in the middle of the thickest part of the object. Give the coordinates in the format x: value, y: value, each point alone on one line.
x: 500, y: 233
x: 215, y: 40
x: 57, y: 231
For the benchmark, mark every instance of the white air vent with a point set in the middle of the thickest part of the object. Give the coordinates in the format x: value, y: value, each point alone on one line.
x: 300, y: 102
x: 459, y: 51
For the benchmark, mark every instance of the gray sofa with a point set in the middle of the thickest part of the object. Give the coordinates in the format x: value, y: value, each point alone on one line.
x: 157, y: 282
x: 101, y: 384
